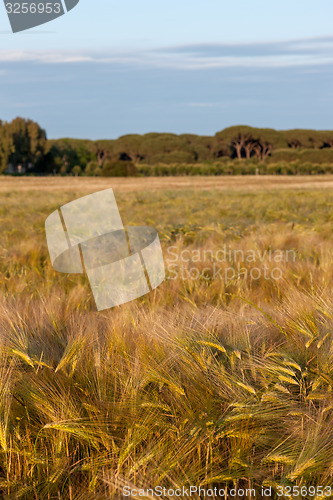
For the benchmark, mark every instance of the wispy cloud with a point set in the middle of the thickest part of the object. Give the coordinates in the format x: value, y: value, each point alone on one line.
x: 284, y: 54
x: 41, y: 56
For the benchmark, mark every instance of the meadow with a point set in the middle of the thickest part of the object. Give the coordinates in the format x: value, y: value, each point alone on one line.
x: 206, y: 381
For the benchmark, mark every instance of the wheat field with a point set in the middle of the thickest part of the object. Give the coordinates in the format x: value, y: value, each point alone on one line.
x: 204, y: 381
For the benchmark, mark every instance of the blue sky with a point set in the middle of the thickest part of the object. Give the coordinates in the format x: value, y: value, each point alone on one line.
x: 110, y: 68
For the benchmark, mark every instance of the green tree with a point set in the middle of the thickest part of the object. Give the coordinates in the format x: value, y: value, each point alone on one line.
x: 29, y: 143
x: 92, y: 169
x: 6, y: 145
x: 77, y: 170
x: 129, y: 148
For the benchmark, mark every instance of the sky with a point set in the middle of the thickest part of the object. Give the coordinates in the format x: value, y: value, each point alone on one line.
x: 109, y: 68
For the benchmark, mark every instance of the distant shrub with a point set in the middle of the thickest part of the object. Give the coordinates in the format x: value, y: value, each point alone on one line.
x: 118, y: 169
x: 63, y: 170
x: 303, y: 155
x: 238, y: 167
x: 77, y: 170
x: 92, y: 168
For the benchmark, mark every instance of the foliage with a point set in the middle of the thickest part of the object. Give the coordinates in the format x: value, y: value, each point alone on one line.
x: 324, y: 155
x: 23, y: 142
x: 6, y: 145
x: 238, y: 167
x: 92, y: 168
x: 77, y: 170
x: 118, y: 169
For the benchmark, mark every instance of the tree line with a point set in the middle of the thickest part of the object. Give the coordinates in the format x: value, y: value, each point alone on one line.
x: 24, y: 148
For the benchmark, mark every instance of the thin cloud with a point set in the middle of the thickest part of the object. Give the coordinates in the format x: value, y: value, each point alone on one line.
x: 44, y: 57
x: 284, y: 54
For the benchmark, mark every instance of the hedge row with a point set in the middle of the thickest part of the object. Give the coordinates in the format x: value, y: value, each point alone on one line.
x: 237, y: 168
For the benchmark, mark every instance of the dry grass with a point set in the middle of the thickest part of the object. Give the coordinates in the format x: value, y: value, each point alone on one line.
x: 201, y: 382
x: 129, y: 184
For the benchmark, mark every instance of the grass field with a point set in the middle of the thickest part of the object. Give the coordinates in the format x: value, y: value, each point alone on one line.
x: 216, y: 379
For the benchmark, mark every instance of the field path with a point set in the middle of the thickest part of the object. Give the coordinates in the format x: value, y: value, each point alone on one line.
x: 238, y: 183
